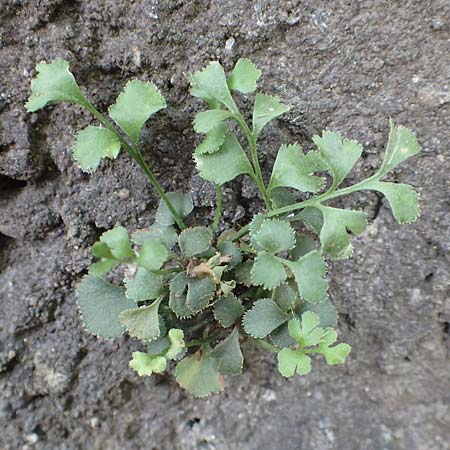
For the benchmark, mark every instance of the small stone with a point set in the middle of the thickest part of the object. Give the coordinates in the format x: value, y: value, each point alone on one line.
x: 124, y: 194
x: 437, y: 24
x: 136, y: 57
x: 32, y: 438
x: 269, y: 395
x: 229, y: 44
x: 94, y: 422
x: 432, y: 98
x: 239, y: 213
x: 72, y: 231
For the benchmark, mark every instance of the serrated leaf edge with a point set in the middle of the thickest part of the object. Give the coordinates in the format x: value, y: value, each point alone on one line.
x: 263, y: 284
x: 276, y: 220
x: 217, y: 320
x: 84, y: 323
x: 191, y: 229
x: 251, y: 309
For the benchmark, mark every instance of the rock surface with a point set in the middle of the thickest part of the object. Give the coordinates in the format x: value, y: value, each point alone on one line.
x: 343, y: 65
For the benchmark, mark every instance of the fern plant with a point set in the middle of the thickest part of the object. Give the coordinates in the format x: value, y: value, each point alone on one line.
x: 190, y: 296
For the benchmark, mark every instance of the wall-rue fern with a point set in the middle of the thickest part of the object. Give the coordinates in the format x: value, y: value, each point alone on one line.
x: 189, y: 295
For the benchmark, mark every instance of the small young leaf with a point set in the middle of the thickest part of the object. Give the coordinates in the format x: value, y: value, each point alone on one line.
x: 134, y: 106
x: 213, y: 141
x: 100, y: 304
x: 176, y: 338
x: 227, y: 310
x: 145, y: 364
x: 310, y: 332
x: 263, y: 318
x: 107, y: 260
x: 101, y: 250
x: 339, y: 154
x: 244, y: 76
x: 143, y: 285
x: 165, y: 234
x: 274, y: 236
x: 325, y: 311
x: 403, y: 199
x: 207, y: 121
x: 401, y: 145
x: 93, y: 144
x: 194, y: 241
x: 118, y: 242
x: 210, y: 84
x: 333, y: 235
x: 309, y: 273
x: 225, y: 164
x: 266, y: 109
x: 228, y: 354
x: 295, y: 330
x: 226, y: 286
x: 335, y: 355
x: 181, y: 202
x: 330, y: 337
x: 177, y: 297
x: 99, y: 268
x: 199, y: 375
x: 294, y: 169
x: 267, y: 271
x: 200, y: 293
x: 291, y: 362
x: 153, y: 254
x: 143, y: 322
x: 54, y: 83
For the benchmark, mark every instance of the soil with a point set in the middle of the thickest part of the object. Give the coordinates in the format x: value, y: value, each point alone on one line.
x: 345, y: 65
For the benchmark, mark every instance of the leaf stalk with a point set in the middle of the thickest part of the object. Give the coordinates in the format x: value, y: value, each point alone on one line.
x: 255, y: 161
x: 309, y: 202
x: 137, y: 156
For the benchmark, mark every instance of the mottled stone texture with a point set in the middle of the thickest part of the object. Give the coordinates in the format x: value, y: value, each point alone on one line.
x: 346, y: 65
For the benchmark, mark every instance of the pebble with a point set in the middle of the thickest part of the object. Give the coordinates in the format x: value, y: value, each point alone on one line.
x: 32, y: 438
x: 432, y: 98
x: 124, y: 194
x: 94, y: 422
x: 229, y: 44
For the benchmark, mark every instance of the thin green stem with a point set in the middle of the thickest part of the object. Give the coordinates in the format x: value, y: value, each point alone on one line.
x: 255, y: 161
x: 137, y: 156
x: 310, y: 202
x: 218, y: 214
x: 144, y: 166
x: 107, y: 124
x: 320, y: 198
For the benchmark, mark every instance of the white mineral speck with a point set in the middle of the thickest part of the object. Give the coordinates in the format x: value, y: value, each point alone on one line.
x: 32, y: 438
x: 229, y: 44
